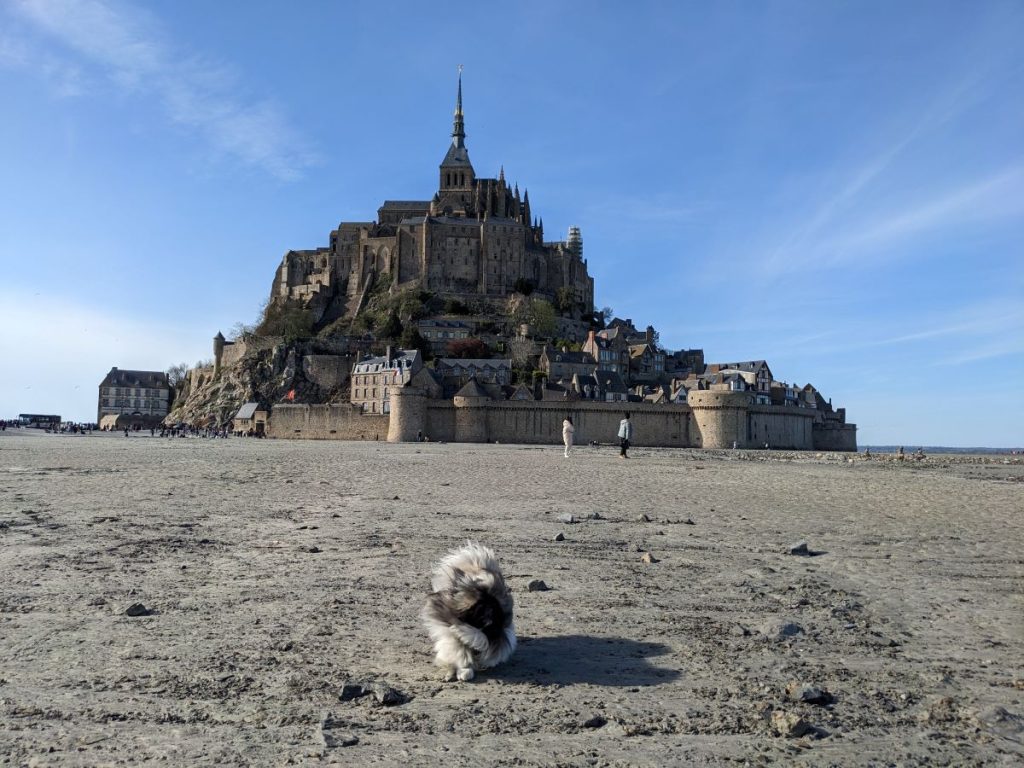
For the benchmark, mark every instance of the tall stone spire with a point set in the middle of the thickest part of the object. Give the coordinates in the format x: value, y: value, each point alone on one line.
x: 456, y: 170
x: 458, y: 128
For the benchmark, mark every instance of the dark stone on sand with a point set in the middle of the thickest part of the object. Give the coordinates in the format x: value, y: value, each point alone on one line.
x: 560, y: 537
x: 689, y: 521
x: 595, y: 722
x: 799, y: 548
x: 537, y: 585
x: 388, y: 696
x: 643, y: 519
x: 314, y: 550
x: 383, y: 694
x: 351, y: 691
x: 138, y: 609
x: 809, y: 694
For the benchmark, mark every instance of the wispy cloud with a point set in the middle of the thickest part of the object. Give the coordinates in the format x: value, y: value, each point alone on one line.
x: 130, y: 49
x: 850, y: 222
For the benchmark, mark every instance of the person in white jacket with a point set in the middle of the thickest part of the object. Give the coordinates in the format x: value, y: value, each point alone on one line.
x: 568, y: 430
x: 625, y: 435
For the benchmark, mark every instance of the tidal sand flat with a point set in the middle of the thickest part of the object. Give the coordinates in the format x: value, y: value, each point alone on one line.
x: 275, y: 587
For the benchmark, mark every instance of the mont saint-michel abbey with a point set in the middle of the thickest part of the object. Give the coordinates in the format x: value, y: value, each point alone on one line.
x: 475, y: 239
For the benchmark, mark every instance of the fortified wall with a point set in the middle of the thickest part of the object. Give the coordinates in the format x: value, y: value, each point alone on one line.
x: 710, y: 419
x: 325, y: 422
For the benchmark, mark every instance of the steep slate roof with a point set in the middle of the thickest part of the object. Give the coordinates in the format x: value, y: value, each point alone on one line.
x: 247, y: 411
x: 457, y: 157
x: 148, y: 379
x: 472, y: 388
x: 466, y: 362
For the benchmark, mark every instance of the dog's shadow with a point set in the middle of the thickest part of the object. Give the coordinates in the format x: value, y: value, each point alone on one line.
x: 572, y: 659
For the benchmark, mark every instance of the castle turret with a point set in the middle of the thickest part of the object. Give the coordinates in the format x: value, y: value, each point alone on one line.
x: 408, y: 420
x: 471, y: 413
x: 218, y: 352
x: 721, y: 418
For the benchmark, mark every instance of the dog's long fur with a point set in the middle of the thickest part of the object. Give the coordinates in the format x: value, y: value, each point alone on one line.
x: 469, y: 613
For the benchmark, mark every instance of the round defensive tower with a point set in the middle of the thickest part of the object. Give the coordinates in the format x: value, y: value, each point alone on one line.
x: 721, y: 417
x: 408, y: 420
x: 471, y: 413
x: 218, y: 352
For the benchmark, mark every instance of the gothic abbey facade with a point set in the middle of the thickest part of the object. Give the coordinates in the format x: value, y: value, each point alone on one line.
x: 476, y: 239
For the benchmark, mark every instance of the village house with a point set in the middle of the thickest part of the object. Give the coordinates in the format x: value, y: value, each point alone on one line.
x: 441, y: 333
x: 145, y: 395
x: 250, y: 420
x: 453, y: 373
x: 762, y: 374
x: 374, y: 377
x: 610, y: 350
x: 646, y: 363
x: 564, y: 363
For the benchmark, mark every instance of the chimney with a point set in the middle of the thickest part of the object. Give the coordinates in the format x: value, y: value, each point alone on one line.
x: 387, y: 354
x: 650, y: 334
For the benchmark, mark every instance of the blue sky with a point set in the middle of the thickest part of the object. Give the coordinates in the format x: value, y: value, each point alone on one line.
x: 835, y: 187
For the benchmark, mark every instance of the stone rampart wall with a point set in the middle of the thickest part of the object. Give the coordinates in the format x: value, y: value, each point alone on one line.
x: 783, y: 427
x: 830, y: 436
x: 712, y: 422
x: 325, y: 422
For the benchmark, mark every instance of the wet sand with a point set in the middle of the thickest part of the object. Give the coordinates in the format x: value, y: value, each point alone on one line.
x: 277, y: 571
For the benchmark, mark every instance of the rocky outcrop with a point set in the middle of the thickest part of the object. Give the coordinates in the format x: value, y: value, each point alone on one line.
x: 265, y: 376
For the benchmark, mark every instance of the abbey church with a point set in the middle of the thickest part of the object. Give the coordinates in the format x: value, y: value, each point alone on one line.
x: 475, y: 239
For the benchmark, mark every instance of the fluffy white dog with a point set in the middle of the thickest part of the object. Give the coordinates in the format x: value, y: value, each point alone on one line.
x: 469, y: 612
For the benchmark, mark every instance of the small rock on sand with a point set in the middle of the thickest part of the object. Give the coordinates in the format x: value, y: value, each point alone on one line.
x: 559, y: 537
x: 799, y: 548
x: 809, y: 694
x: 567, y: 519
x: 595, y: 722
x: 648, y: 558
x: 789, y: 725
x: 780, y: 629
x: 643, y: 519
x: 138, y: 609
x: 537, y: 585
x: 332, y: 734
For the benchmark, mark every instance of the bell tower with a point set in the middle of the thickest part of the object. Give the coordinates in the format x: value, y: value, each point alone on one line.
x: 457, y: 173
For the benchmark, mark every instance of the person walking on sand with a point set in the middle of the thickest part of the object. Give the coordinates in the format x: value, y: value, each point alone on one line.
x: 625, y: 435
x: 568, y: 431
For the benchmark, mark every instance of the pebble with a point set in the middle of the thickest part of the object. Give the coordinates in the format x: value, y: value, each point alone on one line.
x: 559, y: 537
x: 138, y: 609
x: 648, y: 558
x: 595, y: 722
x: 643, y: 519
x: 537, y: 585
x: 800, y: 548
x: 689, y: 521
x: 568, y: 519
x: 314, y: 550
